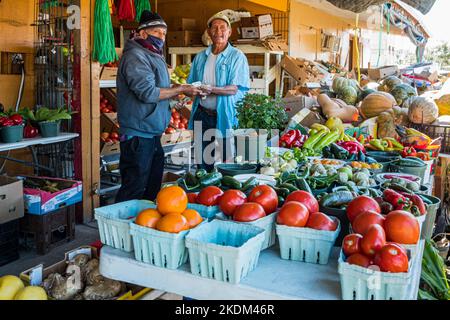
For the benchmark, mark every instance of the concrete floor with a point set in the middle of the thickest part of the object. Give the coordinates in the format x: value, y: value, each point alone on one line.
x: 85, y: 234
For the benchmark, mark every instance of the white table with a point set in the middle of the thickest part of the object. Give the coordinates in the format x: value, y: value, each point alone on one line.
x: 37, y: 141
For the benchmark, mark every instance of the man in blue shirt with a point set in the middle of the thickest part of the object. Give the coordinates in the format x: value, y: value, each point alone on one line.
x: 224, y: 73
x: 143, y: 93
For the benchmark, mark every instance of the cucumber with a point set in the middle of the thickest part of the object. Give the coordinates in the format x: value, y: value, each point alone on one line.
x: 201, y: 173
x: 288, y: 186
x: 249, y: 184
x: 282, y: 192
x: 231, y: 183
x: 191, y: 179
x: 337, y: 199
x: 211, y: 179
x: 303, y: 185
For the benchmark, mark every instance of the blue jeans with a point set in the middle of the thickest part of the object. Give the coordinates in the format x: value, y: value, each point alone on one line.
x: 141, y: 168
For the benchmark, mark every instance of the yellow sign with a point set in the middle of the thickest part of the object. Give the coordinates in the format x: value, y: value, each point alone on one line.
x: 281, y: 5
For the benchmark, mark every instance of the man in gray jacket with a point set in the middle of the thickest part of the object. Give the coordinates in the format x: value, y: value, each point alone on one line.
x: 143, y: 93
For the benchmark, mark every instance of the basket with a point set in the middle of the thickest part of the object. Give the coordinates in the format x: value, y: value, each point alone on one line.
x: 358, y: 283
x: 428, y: 226
x: 224, y: 250
x: 305, y: 244
x: 49, y: 129
x: 417, y: 171
x: 267, y: 223
x: 234, y: 169
x: 11, y: 134
x: 161, y: 249
x: 114, y: 222
x: 205, y: 211
x: 434, y: 132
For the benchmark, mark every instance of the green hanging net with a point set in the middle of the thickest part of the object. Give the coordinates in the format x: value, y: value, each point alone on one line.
x: 104, y: 44
x: 141, y: 5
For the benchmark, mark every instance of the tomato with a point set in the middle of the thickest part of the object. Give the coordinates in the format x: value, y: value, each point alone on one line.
x: 109, y: 140
x: 114, y: 135
x: 249, y: 211
x: 170, y: 130
x: 182, y: 126
x: 392, y: 258
x: 105, y: 135
x: 321, y: 221
x: 305, y: 198
x: 209, y: 196
x: 359, y: 260
x: 363, y: 221
x: 184, y: 121
x: 176, y: 116
x: 351, y: 244
x: 265, y: 196
x: 293, y: 214
x: 361, y: 204
x: 231, y: 200
x: 402, y: 227
x: 373, y: 240
x: 192, y: 197
x: 106, y: 110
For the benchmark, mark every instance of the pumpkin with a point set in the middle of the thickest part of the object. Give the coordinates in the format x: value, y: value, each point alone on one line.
x: 365, y: 93
x: 386, y: 126
x: 339, y: 83
x: 423, y: 110
x: 337, y: 108
x: 376, y: 103
x: 400, y: 116
x: 349, y: 95
x: 443, y: 104
x: 402, y: 92
x: 389, y: 84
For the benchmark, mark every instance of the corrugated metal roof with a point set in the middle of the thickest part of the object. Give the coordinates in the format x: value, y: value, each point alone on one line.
x: 424, y: 6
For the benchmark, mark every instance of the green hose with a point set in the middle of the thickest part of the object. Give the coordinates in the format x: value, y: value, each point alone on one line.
x: 104, y: 44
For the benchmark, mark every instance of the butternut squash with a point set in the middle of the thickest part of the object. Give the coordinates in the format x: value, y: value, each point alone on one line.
x: 339, y: 110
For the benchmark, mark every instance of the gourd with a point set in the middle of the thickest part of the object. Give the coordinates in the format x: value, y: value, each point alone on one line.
x: 386, y: 125
x: 423, y: 110
x: 402, y: 92
x: 400, y: 116
x: 389, y: 84
x: 340, y: 83
x: 376, y: 103
x: 348, y: 94
x: 339, y: 110
x: 365, y: 93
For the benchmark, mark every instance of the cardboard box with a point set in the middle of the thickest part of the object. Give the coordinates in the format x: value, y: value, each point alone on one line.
x: 177, y: 137
x: 306, y: 118
x: 109, y: 123
x: 108, y: 73
x: 184, y: 39
x: 182, y: 24
x: 257, y: 27
x: 11, y: 199
x: 40, y: 202
x: 383, y: 72
x: 303, y: 71
x: 293, y: 105
x: 36, y: 275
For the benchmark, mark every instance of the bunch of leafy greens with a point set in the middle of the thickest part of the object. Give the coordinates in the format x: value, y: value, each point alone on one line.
x: 258, y: 111
x: 48, y: 115
x: 433, y: 275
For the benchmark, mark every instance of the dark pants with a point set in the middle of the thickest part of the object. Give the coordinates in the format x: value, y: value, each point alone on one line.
x: 141, y: 169
x: 210, y: 122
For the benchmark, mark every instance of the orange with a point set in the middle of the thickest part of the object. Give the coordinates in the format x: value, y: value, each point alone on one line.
x: 173, y: 223
x: 148, y: 218
x: 171, y: 199
x: 193, y: 218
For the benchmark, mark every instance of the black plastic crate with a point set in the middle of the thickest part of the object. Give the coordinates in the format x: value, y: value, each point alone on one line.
x: 9, y: 231
x: 434, y: 132
x: 9, y: 251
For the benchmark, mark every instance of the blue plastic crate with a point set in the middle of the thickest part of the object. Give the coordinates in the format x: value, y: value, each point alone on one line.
x: 161, y: 249
x: 358, y: 283
x: 306, y: 244
x: 267, y: 223
x: 205, y: 211
x: 223, y: 250
x: 114, y: 222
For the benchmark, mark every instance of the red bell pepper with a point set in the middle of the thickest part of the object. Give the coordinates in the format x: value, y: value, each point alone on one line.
x: 409, y: 152
x: 352, y: 146
x: 17, y: 119
x: 399, y: 201
x: 288, y: 138
x: 29, y: 131
x: 416, y: 202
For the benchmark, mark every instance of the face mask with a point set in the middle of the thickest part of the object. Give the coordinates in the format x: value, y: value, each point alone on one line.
x: 156, y: 42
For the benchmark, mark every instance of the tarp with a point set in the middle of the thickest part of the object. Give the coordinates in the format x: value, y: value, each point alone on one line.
x: 359, y: 6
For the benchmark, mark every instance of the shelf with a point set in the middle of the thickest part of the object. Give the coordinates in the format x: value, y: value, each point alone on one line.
x: 37, y: 141
x: 105, y: 84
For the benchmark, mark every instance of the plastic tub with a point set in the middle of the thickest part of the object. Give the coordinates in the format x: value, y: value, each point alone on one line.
x: 383, y: 156
x: 428, y: 227
x: 305, y: 244
x: 417, y: 171
x: 224, y: 250
x: 49, y: 128
x: 11, y: 134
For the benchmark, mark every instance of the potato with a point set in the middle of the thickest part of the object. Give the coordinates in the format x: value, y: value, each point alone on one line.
x: 103, y: 290
x: 66, y: 289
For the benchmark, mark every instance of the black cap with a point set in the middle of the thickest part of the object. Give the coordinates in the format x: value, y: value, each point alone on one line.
x: 150, y: 19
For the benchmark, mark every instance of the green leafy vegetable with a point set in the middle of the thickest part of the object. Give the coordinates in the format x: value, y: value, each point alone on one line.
x: 48, y: 115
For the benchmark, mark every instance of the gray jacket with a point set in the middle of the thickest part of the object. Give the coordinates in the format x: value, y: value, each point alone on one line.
x: 140, y: 76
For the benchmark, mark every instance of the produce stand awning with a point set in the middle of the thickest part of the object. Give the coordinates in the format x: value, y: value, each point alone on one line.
x: 281, y: 5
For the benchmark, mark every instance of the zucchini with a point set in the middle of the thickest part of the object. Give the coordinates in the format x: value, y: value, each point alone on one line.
x: 281, y: 201
x: 281, y: 192
x: 201, y: 173
x: 231, y: 183
x: 303, y: 185
x: 337, y: 199
x: 288, y: 186
x: 211, y: 179
x: 249, y: 184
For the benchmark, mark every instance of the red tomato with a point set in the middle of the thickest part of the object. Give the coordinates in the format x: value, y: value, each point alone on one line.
x: 305, y: 198
x: 109, y: 140
x: 106, y: 110
x: 176, y: 116
x: 351, y: 244
x: 174, y: 110
x: 402, y: 227
x: 250, y: 211
x: 363, y: 221
x: 184, y: 121
x: 209, y: 196
x: 373, y: 240
x: 231, y: 200
x: 114, y: 135
x: 361, y: 204
x: 359, y: 260
x: 392, y: 258
x: 293, y: 214
x: 321, y: 221
x: 192, y: 197
x: 105, y: 101
x: 170, y: 130
x: 265, y: 196
x: 182, y: 126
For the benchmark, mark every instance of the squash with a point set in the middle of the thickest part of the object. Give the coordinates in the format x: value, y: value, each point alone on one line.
x: 402, y: 92
x: 365, y: 93
x: 349, y: 95
x: 339, y: 110
x: 340, y: 83
x: 386, y: 126
x: 400, y: 116
x: 423, y: 111
x: 443, y: 104
x: 376, y: 103
x: 329, y: 93
x: 389, y: 83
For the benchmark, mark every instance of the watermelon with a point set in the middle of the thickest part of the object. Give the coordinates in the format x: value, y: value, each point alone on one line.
x: 402, y: 92
x: 349, y: 95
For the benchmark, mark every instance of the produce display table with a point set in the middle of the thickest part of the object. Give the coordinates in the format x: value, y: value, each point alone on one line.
x: 37, y: 141
x: 273, y: 278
